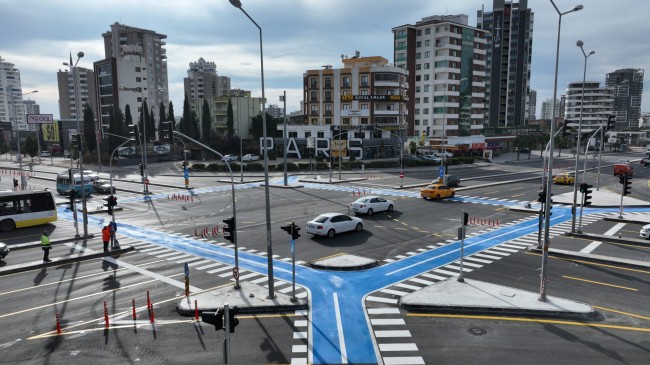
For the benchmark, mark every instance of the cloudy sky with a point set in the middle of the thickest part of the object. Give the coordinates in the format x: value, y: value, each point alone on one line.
x: 37, y: 36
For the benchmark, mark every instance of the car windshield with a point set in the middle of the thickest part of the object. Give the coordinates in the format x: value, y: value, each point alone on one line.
x: 321, y: 219
x: 431, y: 187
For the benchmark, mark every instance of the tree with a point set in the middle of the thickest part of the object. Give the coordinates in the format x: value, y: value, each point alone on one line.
x: 230, y: 121
x: 31, y: 146
x: 206, y: 123
x: 116, y: 125
x: 151, y: 126
x: 186, y: 120
x: 90, y: 134
x: 193, y: 126
x: 271, y: 126
x: 412, y: 147
x: 163, y: 118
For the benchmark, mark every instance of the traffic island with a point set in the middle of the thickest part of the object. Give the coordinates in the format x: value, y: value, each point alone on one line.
x: 250, y: 298
x: 477, y: 297
x: 344, y: 262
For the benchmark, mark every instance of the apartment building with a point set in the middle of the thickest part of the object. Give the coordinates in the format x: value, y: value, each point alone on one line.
x: 76, y: 89
x: 627, y: 85
x: 593, y: 109
x: 203, y: 81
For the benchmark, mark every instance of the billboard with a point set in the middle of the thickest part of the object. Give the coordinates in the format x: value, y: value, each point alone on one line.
x: 50, y: 132
x: 39, y: 118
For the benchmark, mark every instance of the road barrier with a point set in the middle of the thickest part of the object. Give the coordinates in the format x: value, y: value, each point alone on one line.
x: 133, y: 316
x: 106, y: 324
x: 58, y: 323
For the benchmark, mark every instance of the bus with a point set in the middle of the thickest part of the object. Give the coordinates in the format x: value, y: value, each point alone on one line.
x: 63, y: 185
x: 20, y: 209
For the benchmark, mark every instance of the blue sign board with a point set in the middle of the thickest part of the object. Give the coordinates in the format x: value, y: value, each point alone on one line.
x: 442, y: 171
x: 187, y: 270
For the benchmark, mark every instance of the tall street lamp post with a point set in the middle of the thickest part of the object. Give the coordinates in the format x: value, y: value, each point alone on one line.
x: 582, y: 110
x: 84, y: 211
x: 15, y: 127
x: 269, y: 245
x: 549, y: 177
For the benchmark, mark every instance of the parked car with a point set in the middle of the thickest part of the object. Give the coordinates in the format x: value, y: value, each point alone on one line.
x: 370, y: 204
x: 453, y: 180
x: 329, y: 224
x: 645, y: 232
x: 566, y: 179
x: 249, y: 157
x: 103, y: 187
x: 437, y: 191
x: 645, y: 161
x: 91, y: 175
x: 431, y: 158
x: 524, y: 150
x: 45, y: 154
x: 230, y: 158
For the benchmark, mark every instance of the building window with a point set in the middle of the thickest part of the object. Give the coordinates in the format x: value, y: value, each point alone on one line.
x: 427, y: 66
x: 426, y: 77
x: 418, y: 44
x: 307, y: 134
x: 419, y: 32
x: 425, y: 110
x: 364, y: 106
x: 417, y: 100
x: 426, y: 99
x: 427, y: 42
x: 417, y: 77
x: 427, y: 31
x: 418, y: 56
x: 313, y: 96
x: 292, y: 134
x: 328, y: 95
x: 417, y: 122
x: 328, y: 82
x: 320, y: 134
x: 345, y: 92
x: 427, y: 54
x: 313, y: 82
x: 346, y: 106
x: 138, y: 79
x: 137, y: 69
x: 364, y: 80
x: 346, y: 121
x: 364, y: 120
x: 364, y: 92
x: 426, y: 88
x: 417, y: 111
x: 328, y: 121
x: 346, y: 81
x: 418, y: 66
x: 417, y: 89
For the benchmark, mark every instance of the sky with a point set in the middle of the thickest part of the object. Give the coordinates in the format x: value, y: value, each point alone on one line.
x: 37, y: 36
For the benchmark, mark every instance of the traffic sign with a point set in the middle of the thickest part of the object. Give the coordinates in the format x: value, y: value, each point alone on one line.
x: 401, y: 175
x: 441, y: 172
x: 235, y: 273
x: 146, y: 181
x: 187, y: 270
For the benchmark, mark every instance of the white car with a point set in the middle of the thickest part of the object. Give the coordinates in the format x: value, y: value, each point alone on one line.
x: 230, y: 158
x: 370, y: 204
x: 329, y: 224
x: 91, y: 175
x: 645, y: 232
x: 45, y: 154
x: 249, y: 157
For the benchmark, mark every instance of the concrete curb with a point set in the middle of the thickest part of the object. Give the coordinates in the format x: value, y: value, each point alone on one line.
x: 23, y: 246
x: 591, y: 258
x: 344, y: 268
x: 494, y: 311
x: 61, y: 261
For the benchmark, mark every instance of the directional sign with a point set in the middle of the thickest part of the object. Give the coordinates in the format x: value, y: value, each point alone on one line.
x: 187, y: 270
x: 442, y: 171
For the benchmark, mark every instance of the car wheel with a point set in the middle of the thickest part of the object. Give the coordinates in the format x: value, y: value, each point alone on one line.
x: 359, y: 227
x: 437, y: 196
x: 369, y: 211
x: 424, y: 197
x: 390, y: 208
x: 453, y: 194
x: 331, y: 233
x: 7, y: 225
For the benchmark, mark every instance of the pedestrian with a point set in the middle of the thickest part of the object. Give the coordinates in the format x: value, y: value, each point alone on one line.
x: 112, y: 226
x: 106, y: 237
x: 45, y: 245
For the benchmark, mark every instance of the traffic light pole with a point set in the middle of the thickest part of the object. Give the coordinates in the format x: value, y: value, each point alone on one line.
x: 110, y: 169
x: 293, y: 261
x: 234, y: 209
x: 620, y: 212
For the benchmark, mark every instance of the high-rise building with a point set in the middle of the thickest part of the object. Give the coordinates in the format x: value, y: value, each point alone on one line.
x: 203, y: 82
x: 627, y: 85
x: 244, y: 109
x: 367, y: 91
x: 445, y: 60
x: 134, y: 70
x: 593, y: 109
x: 12, y: 106
x: 532, y: 105
x: 547, y: 106
x: 76, y: 89
x: 509, y: 53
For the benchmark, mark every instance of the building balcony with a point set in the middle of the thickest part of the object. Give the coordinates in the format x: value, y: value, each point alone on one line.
x: 386, y: 112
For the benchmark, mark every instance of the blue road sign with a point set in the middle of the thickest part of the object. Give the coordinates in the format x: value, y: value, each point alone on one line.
x: 441, y: 171
x: 187, y: 270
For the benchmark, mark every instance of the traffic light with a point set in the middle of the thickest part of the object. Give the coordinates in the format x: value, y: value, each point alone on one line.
x: 428, y: 131
x: 232, y: 312
x: 586, y: 201
x: 465, y: 218
x: 141, y: 170
x: 72, y: 194
x: 168, y: 131
x: 541, y: 196
x: 184, y: 164
x: 611, y: 122
x: 108, y: 205
x: 76, y: 142
x: 627, y: 185
x: 294, y: 231
x: 229, y: 229
x: 215, y: 319
x: 133, y: 132
x: 286, y: 228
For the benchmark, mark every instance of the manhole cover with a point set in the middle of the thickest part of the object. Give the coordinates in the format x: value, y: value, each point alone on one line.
x: 476, y: 331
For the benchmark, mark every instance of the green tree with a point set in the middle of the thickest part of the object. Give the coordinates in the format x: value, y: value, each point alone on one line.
x: 116, y: 125
x: 31, y: 146
x: 271, y: 126
x: 230, y: 121
x: 193, y: 126
x: 163, y: 118
x: 90, y: 134
x: 151, y: 126
x: 206, y: 123
x: 412, y: 147
x: 186, y: 120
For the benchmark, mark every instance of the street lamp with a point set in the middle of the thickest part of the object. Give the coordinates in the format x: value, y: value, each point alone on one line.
x: 15, y: 127
x: 549, y: 177
x: 81, y: 160
x: 582, y: 109
x: 269, y: 245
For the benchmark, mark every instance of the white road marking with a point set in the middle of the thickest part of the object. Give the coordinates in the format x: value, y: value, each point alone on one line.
x: 339, y: 325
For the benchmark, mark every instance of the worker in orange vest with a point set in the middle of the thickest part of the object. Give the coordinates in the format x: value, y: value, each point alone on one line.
x: 106, y: 237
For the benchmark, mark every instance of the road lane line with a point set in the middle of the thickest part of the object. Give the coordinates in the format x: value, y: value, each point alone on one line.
x: 534, y: 320
x: 599, y: 283
x: 339, y: 326
x: 592, y: 246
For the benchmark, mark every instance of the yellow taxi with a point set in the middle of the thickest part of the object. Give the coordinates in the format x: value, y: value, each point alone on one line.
x: 437, y: 191
x: 565, y: 178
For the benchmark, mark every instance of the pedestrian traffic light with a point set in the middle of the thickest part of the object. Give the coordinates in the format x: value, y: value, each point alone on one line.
x: 611, y: 122
x: 141, y: 170
x: 15, y: 183
x: 295, y: 231
x: 586, y: 200
x: 72, y: 194
x: 215, y: 318
x: 627, y: 185
x: 229, y: 229
x: 232, y: 312
x: 108, y: 205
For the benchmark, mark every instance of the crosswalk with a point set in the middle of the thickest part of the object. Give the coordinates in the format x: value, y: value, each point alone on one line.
x: 393, y: 338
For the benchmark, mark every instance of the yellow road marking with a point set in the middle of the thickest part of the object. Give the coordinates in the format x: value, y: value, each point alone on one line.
x: 592, y: 263
x: 534, y: 320
x: 599, y: 283
x: 620, y: 312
